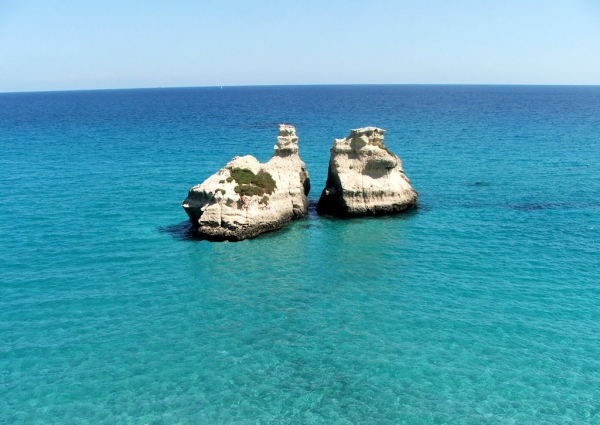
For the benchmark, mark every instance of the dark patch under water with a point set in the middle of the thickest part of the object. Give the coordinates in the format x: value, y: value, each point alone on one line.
x: 479, y: 184
x: 183, y: 231
x: 537, y: 206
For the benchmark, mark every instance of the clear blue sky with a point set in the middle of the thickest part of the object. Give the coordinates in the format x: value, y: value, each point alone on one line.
x: 67, y: 44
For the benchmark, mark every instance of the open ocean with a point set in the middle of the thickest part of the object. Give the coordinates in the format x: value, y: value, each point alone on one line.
x: 481, y: 306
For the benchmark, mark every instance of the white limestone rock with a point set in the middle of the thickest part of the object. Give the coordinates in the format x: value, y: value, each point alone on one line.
x: 365, y: 178
x: 218, y: 212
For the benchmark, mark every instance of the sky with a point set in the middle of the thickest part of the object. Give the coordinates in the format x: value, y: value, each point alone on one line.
x: 73, y: 45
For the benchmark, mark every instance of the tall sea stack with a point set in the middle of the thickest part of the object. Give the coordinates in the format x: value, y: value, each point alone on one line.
x: 246, y: 198
x: 365, y: 178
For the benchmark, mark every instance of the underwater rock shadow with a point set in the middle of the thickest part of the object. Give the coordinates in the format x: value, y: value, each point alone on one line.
x: 401, y: 215
x: 537, y: 206
x: 478, y: 184
x: 312, y: 209
x: 183, y: 231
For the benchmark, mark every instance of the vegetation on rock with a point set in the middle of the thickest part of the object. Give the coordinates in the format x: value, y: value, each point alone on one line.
x: 251, y: 184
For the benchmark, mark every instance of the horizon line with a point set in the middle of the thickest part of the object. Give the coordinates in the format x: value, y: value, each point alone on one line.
x: 298, y: 85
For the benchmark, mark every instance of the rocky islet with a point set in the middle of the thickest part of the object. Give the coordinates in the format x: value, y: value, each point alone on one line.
x: 246, y: 198
x: 365, y: 178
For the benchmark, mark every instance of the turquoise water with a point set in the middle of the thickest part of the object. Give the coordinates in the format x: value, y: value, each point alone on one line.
x: 481, y: 306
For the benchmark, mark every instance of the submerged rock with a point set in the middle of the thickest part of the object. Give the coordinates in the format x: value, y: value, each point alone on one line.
x: 365, y: 178
x: 246, y: 198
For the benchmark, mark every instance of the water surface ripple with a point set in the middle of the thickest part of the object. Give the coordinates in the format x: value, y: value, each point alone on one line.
x: 481, y: 306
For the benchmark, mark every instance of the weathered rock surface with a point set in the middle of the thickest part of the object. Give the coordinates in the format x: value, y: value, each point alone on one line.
x: 221, y: 208
x: 365, y: 178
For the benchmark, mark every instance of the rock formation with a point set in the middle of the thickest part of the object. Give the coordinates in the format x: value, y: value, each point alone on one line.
x: 365, y: 178
x: 246, y: 198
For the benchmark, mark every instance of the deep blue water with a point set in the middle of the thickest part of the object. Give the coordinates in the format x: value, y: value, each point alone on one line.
x: 481, y: 306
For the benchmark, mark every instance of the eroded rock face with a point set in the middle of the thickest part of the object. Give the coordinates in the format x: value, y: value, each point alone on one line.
x: 223, y: 208
x: 365, y: 178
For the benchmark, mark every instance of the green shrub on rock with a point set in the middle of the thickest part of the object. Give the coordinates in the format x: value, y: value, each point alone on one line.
x: 242, y: 175
x: 250, y: 184
x: 265, y: 181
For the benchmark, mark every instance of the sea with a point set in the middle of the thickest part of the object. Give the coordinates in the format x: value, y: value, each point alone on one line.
x: 480, y: 306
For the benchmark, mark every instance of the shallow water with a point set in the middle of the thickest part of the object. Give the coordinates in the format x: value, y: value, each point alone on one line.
x: 480, y: 306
